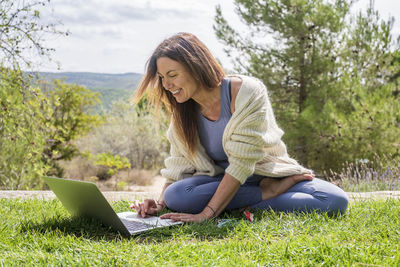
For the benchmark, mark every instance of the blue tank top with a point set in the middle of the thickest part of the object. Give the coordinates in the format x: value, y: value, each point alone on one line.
x: 210, y: 132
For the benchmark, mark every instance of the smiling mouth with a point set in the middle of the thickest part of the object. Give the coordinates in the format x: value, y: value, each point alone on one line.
x: 176, y: 91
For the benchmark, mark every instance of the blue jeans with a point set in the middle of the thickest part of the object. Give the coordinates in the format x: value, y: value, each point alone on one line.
x: 191, y: 195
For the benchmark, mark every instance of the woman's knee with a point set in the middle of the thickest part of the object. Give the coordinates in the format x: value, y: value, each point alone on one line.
x: 174, y: 196
x: 180, y: 197
x: 191, y: 194
x: 338, y: 202
x: 333, y: 198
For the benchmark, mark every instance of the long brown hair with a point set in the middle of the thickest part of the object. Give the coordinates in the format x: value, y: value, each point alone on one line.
x: 188, y: 50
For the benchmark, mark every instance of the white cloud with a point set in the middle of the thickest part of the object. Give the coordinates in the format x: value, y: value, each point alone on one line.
x: 119, y: 35
x: 386, y: 8
x: 105, y: 12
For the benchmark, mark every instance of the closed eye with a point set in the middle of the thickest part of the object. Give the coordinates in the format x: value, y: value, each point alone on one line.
x: 170, y: 76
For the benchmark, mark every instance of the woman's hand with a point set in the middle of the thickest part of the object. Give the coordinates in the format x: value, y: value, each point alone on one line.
x: 187, y: 217
x: 224, y: 194
x: 147, y: 207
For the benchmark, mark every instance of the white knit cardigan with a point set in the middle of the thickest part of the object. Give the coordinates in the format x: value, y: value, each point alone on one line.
x: 251, y: 140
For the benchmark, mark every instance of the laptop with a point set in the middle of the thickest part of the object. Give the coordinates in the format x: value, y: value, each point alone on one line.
x: 84, y: 199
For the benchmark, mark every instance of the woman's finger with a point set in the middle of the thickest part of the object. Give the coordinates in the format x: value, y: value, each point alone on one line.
x: 141, y: 210
x: 173, y: 216
x: 151, y: 211
x: 135, y: 205
x: 146, y: 207
x: 138, y: 206
x: 165, y: 216
x: 182, y: 217
x: 159, y: 208
x: 155, y: 209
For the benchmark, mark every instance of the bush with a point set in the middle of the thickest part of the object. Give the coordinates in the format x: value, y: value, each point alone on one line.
x: 111, y: 162
x: 37, y: 127
x: 130, y: 133
x: 21, y: 139
x: 82, y: 168
x: 66, y: 116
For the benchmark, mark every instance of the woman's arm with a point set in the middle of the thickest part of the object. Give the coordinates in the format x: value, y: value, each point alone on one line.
x: 224, y: 194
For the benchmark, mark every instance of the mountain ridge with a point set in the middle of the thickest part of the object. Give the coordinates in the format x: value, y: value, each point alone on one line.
x: 95, y: 79
x: 112, y: 86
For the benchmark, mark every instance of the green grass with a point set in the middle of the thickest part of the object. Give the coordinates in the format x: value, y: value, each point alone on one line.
x: 36, y: 232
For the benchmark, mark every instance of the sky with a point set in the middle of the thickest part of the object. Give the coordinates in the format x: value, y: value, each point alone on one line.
x: 118, y: 36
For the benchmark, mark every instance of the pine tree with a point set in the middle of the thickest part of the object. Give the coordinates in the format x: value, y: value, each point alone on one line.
x: 328, y: 75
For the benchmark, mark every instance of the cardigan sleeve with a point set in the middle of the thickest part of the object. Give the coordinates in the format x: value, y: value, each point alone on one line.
x: 177, y: 166
x: 253, y: 129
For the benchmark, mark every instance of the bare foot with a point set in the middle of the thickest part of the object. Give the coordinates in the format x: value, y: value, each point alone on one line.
x: 272, y: 187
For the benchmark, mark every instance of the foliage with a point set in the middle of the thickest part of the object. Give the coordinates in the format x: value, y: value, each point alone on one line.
x: 22, y: 32
x: 330, y: 75
x: 35, y: 232
x: 37, y: 128
x: 359, y: 122
x: 113, y: 163
x: 21, y: 139
x: 37, y: 125
x: 129, y: 132
x: 66, y: 116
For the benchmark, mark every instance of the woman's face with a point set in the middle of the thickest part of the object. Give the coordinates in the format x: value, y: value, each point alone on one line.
x: 176, y: 79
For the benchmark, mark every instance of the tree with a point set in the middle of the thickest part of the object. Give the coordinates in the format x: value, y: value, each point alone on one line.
x: 363, y: 116
x: 22, y: 31
x: 66, y: 116
x: 319, y: 63
x: 37, y: 123
x: 38, y: 126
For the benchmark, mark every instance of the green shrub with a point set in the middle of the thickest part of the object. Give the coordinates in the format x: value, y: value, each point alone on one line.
x: 131, y: 133
x: 111, y: 162
x: 37, y: 127
x: 66, y: 116
x: 21, y: 139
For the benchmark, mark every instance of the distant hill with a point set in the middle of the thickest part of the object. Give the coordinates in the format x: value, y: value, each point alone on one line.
x: 112, y: 87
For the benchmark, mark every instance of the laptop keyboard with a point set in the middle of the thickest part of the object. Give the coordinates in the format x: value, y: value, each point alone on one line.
x: 135, y: 226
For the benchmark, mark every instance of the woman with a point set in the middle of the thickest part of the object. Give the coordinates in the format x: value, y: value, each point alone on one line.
x: 226, y: 148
